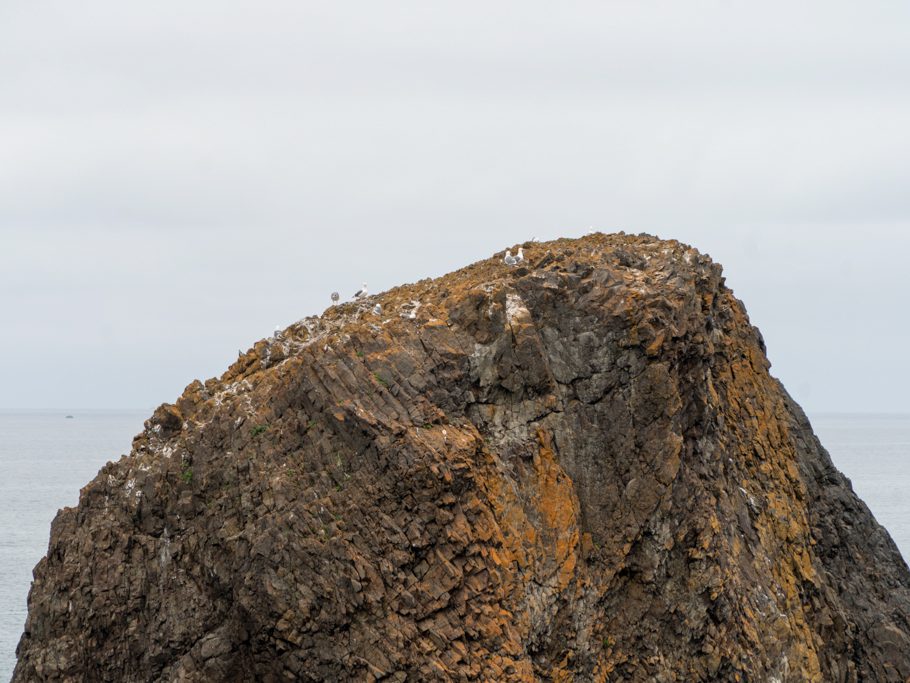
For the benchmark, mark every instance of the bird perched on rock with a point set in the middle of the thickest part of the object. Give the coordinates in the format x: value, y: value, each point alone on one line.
x: 377, y: 310
x: 521, y: 255
x: 362, y: 292
x: 508, y: 259
x: 335, y: 298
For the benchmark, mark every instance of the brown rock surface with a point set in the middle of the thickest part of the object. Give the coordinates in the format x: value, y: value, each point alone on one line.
x: 579, y: 469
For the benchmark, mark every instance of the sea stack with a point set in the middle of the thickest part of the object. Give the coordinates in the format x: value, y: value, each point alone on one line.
x: 577, y: 469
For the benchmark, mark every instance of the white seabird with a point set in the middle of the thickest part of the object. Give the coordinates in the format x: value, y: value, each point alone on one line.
x: 521, y: 255
x: 508, y: 259
x: 335, y: 297
x: 377, y: 310
x: 362, y: 292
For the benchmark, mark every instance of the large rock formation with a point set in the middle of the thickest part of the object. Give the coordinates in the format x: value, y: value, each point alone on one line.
x: 576, y: 469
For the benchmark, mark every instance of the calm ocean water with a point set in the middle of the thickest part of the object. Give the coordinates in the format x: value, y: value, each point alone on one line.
x: 46, y: 458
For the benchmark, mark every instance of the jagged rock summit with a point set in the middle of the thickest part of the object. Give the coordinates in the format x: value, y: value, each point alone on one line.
x: 577, y: 469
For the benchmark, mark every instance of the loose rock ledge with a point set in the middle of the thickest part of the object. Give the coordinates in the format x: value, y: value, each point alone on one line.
x: 579, y: 469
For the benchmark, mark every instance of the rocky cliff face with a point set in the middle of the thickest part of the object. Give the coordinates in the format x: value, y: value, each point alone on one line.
x: 576, y: 469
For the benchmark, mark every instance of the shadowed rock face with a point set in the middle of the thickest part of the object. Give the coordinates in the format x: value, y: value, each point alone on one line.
x: 578, y: 469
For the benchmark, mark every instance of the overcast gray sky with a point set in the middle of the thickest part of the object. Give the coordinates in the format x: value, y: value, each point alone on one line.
x: 176, y: 178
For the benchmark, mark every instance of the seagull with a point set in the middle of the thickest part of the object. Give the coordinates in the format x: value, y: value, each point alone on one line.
x: 335, y: 298
x: 362, y: 292
x: 377, y: 310
x: 521, y: 255
x: 509, y: 260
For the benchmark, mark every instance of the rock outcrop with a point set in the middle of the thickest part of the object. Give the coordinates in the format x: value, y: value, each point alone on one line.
x: 575, y: 469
